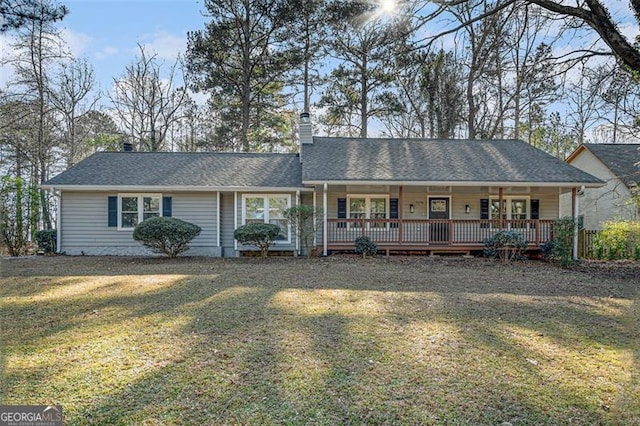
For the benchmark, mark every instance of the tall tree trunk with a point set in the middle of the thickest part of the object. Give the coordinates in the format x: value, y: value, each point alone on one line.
x: 471, y: 116
x: 364, y: 112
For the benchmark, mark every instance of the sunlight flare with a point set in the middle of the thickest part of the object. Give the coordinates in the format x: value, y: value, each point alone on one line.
x: 388, y: 6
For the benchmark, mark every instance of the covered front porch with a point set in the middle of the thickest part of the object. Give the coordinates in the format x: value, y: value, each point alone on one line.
x: 431, y: 235
x: 434, y: 219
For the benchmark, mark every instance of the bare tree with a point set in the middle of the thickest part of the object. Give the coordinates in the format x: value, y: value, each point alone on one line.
x: 589, y: 13
x: 146, y: 105
x: 485, y: 57
x: 429, y: 101
x: 584, y: 101
x: 72, y: 99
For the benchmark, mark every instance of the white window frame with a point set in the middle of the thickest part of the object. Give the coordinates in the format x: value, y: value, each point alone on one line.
x: 367, y: 207
x: 140, y: 197
x: 265, y: 217
x: 507, y: 200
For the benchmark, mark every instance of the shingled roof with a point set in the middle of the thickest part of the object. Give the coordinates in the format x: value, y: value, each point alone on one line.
x: 178, y: 169
x: 621, y: 159
x: 429, y: 160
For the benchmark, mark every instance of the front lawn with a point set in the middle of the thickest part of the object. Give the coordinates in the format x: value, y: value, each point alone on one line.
x: 339, y: 340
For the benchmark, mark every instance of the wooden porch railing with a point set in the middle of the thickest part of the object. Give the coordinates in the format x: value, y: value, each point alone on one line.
x: 417, y: 232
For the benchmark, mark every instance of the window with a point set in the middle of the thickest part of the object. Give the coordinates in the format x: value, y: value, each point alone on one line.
x: 512, y: 209
x: 368, y: 207
x: 268, y: 209
x: 133, y: 209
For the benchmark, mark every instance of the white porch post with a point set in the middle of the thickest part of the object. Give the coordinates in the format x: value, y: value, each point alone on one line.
x: 324, y: 220
x: 576, y: 213
x: 58, y: 221
x: 296, y: 231
x: 218, y: 220
x: 315, y: 220
x: 235, y: 218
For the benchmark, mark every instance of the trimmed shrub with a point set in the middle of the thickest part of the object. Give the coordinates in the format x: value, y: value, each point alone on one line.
x: 166, y: 235
x: 505, y: 245
x: 47, y: 240
x: 366, y: 247
x: 260, y: 235
x: 618, y: 240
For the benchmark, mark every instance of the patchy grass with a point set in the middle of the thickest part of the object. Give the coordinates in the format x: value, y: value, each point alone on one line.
x: 340, y: 340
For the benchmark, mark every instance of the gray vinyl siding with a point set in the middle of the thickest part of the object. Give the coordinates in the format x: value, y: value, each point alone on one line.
x: 227, y: 224
x: 84, y: 225
x: 200, y: 209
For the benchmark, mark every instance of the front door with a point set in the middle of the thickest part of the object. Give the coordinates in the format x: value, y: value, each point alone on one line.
x: 439, y: 209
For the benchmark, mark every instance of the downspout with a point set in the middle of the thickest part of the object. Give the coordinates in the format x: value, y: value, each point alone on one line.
x: 324, y: 220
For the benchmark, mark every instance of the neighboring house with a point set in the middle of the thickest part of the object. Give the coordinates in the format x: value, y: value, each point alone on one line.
x: 617, y: 165
x: 405, y: 194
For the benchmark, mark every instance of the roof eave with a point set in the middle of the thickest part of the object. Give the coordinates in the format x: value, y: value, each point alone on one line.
x: 456, y: 183
x: 575, y: 153
x: 172, y: 188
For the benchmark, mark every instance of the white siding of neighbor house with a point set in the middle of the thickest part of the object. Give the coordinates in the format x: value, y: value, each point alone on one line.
x: 599, y: 205
x: 84, y: 225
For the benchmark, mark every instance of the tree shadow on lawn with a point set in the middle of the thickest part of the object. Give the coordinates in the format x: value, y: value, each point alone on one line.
x: 247, y: 359
x: 256, y: 362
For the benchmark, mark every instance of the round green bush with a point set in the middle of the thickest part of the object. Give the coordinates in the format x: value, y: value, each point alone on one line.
x: 166, y: 235
x: 506, y: 245
x: 260, y: 235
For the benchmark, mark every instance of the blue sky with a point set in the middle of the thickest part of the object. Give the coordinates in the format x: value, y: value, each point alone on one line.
x: 107, y: 32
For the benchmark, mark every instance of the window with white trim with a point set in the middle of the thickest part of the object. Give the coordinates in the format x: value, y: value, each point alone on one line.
x: 513, y: 208
x: 368, y: 207
x: 258, y: 208
x: 135, y: 208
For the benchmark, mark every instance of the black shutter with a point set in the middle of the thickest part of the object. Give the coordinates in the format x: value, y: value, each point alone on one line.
x: 342, y: 211
x: 393, y: 211
x: 166, y: 206
x: 484, y: 211
x: 535, y: 209
x: 112, y: 211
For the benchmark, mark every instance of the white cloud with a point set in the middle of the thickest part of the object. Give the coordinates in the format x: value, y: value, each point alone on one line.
x: 77, y: 42
x: 106, y: 52
x: 165, y: 45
